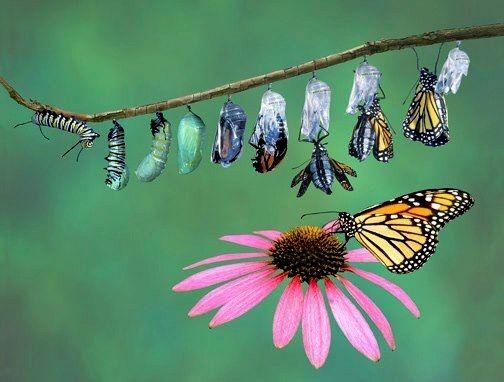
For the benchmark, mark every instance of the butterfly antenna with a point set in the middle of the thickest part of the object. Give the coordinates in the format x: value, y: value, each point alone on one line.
x: 382, y: 92
x: 319, y: 213
x: 417, y: 58
x: 322, y: 129
x: 437, y: 58
x: 306, y: 161
x: 409, y: 93
x: 22, y: 123
x: 71, y: 148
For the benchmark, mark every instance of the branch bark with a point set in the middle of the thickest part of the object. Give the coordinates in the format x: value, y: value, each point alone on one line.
x: 367, y: 49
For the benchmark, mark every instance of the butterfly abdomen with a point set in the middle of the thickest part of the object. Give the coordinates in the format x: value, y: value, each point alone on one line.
x: 323, y: 175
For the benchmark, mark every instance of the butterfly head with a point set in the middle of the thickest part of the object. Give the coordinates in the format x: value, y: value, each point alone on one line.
x: 347, y: 224
x: 319, y: 148
x: 427, y: 78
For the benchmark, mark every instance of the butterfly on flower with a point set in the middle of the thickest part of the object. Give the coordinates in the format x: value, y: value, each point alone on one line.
x: 403, y: 232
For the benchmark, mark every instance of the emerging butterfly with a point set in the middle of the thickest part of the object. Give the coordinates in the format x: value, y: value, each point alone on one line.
x: 403, y: 232
x: 427, y: 117
x: 322, y: 170
x: 372, y: 132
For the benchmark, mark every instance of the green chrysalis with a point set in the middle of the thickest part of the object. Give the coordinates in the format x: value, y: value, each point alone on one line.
x: 191, y: 135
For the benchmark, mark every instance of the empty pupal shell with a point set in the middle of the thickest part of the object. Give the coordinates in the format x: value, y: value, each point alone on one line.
x: 315, y: 119
x: 270, y: 134
x: 154, y: 162
x: 455, y: 66
x: 365, y: 86
x: 190, y: 137
x: 228, y: 141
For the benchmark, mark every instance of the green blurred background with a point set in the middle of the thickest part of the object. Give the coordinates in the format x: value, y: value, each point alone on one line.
x: 86, y: 273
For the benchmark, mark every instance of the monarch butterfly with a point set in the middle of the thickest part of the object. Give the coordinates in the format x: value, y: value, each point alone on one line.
x: 270, y: 135
x: 191, y: 135
x: 372, y: 132
x: 70, y: 124
x: 154, y: 163
x: 403, y: 232
x: 322, y: 170
x: 228, y: 141
x: 117, y: 170
x: 427, y: 117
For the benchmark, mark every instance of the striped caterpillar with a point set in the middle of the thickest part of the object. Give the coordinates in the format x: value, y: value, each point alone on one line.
x: 155, y: 161
x: 59, y: 121
x: 117, y: 170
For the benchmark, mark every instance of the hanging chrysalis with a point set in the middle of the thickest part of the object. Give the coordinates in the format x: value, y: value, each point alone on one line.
x: 270, y: 134
x: 365, y: 86
x: 190, y: 137
x: 228, y: 141
x: 154, y: 163
x: 455, y: 66
x: 315, y: 119
x: 117, y: 170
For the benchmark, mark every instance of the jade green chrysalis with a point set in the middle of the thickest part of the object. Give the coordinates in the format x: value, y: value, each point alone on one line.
x: 191, y: 135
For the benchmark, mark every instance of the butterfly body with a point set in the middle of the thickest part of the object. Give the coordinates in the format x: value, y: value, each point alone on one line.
x: 427, y: 117
x: 321, y: 171
x: 403, y: 232
x: 372, y: 133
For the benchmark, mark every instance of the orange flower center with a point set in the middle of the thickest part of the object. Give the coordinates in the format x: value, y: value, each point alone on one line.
x: 308, y: 252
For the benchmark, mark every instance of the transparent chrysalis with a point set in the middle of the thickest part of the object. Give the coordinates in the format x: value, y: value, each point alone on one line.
x: 190, y: 138
x: 365, y: 86
x: 228, y: 141
x: 455, y: 66
x: 315, y: 118
x: 154, y: 162
x: 270, y: 134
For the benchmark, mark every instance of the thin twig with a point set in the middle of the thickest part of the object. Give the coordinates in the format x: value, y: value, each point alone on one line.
x: 367, y: 49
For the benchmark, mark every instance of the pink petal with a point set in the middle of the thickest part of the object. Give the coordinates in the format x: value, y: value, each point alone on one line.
x: 270, y: 234
x: 332, y: 226
x: 360, y: 255
x: 374, y: 313
x: 248, y: 241
x: 288, y: 313
x: 352, y: 323
x: 315, y: 326
x: 245, y: 301
x: 225, y: 257
x: 221, y: 295
x: 390, y: 287
x: 217, y: 275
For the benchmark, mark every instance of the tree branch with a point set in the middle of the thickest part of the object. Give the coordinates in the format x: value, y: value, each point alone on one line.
x: 367, y: 49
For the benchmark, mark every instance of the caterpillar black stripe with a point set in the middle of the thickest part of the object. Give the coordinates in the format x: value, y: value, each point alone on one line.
x: 117, y: 170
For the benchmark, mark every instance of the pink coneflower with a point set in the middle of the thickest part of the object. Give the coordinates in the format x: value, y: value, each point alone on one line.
x: 302, y: 255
